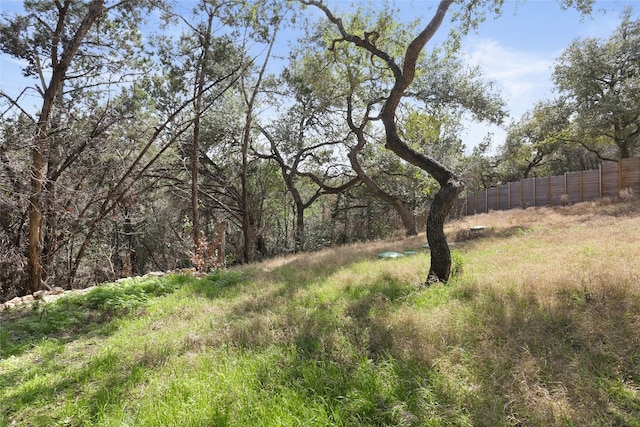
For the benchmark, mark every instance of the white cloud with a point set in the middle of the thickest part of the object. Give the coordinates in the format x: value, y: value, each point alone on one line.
x: 524, y: 77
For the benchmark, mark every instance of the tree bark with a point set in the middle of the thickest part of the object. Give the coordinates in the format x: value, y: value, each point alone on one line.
x: 440, y: 269
x: 401, y: 206
x: 38, y: 169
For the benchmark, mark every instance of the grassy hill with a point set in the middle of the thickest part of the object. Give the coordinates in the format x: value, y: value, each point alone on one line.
x: 540, y: 326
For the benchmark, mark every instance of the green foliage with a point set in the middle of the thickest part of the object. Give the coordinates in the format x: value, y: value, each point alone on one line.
x: 457, y: 264
x: 598, y: 82
x: 335, y: 342
x: 127, y: 295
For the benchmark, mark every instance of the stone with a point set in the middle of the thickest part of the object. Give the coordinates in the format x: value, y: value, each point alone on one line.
x: 39, y: 294
x: 56, y: 291
x: 154, y: 274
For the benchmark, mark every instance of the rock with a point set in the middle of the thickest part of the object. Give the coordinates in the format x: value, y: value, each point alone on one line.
x: 14, y: 302
x: 9, y: 304
x: 154, y: 274
x: 39, y: 294
x: 51, y: 298
x: 56, y: 291
x: 2, y: 308
x: 26, y: 299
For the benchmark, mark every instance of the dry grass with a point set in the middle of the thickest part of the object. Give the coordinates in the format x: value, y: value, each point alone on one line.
x: 340, y: 255
x: 542, y: 328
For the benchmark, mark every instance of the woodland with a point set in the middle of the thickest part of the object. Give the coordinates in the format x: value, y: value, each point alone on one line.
x: 151, y: 131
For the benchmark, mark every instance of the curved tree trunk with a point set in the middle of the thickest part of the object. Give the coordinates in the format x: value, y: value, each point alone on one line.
x: 401, y: 206
x: 404, y: 74
x: 440, y: 269
x: 450, y: 185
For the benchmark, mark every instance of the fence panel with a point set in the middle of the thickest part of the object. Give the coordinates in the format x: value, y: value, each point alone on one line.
x: 528, y: 193
x: 630, y: 173
x: 503, y: 197
x: 591, y: 185
x: 515, y: 194
x: 557, y: 190
x: 610, y: 179
x: 572, y: 187
x: 541, y: 188
x: 492, y: 198
x: 481, y: 202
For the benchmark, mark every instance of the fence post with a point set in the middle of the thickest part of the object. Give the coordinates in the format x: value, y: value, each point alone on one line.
x: 486, y: 200
x: 475, y: 202
x: 600, y: 179
x: 620, y: 174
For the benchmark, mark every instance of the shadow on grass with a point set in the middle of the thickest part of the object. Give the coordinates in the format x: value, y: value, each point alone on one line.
x: 494, y: 359
x: 94, y: 387
x: 219, y: 284
x: 372, y: 355
x: 93, y: 379
x: 512, y: 360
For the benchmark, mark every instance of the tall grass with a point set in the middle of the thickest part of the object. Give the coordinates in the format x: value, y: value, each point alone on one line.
x: 540, y: 327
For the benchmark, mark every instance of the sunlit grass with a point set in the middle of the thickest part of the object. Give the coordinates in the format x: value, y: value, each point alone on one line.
x: 541, y: 327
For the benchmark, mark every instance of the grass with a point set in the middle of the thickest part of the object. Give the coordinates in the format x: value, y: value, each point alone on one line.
x: 540, y: 327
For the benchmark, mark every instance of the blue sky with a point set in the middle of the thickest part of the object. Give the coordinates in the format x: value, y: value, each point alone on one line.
x: 517, y: 50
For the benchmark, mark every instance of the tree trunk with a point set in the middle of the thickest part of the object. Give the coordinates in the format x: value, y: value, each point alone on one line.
x: 36, y: 219
x: 195, y: 212
x: 249, y: 235
x: 299, y: 231
x: 440, y: 269
x: 197, y: 104
x: 38, y: 172
x: 406, y: 214
x: 401, y: 206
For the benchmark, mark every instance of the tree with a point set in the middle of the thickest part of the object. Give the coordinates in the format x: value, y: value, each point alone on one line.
x: 63, y: 38
x: 443, y: 90
x: 540, y: 144
x: 292, y: 167
x: 199, y: 57
x: 600, y: 81
x: 400, y: 63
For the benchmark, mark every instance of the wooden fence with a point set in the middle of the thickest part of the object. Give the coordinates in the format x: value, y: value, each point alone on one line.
x: 572, y: 187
